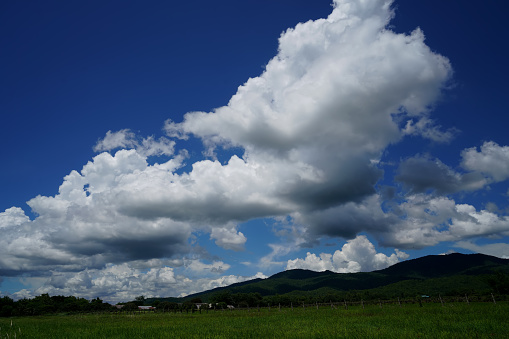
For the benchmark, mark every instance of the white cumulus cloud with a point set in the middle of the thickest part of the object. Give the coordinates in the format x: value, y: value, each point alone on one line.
x: 357, y: 255
x: 13, y: 216
x: 492, y: 160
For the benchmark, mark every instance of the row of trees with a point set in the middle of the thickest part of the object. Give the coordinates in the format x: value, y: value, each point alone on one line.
x: 44, y: 304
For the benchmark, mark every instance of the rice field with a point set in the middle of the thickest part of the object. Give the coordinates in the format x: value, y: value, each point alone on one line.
x: 452, y: 320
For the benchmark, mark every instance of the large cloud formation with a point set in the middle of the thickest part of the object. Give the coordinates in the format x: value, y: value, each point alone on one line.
x: 312, y: 129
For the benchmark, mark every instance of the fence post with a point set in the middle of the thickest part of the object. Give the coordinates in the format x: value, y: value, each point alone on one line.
x: 493, y: 297
x: 466, y: 297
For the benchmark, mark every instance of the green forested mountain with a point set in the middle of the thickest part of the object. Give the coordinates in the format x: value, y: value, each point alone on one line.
x: 434, y: 266
x: 453, y: 274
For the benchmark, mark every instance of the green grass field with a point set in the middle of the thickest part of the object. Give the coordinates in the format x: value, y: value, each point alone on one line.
x: 453, y: 320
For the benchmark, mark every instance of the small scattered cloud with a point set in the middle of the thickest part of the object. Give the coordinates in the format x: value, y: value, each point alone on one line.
x: 428, y: 129
x: 492, y: 160
x: 113, y: 140
x: 216, y: 267
x: 126, y: 139
x: 229, y: 239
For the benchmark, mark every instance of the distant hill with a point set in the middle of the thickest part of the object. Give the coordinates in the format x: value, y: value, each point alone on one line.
x: 447, y: 274
x: 434, y: 266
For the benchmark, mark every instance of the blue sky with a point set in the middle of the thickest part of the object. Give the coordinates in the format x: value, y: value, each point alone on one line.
x: 163, y: 149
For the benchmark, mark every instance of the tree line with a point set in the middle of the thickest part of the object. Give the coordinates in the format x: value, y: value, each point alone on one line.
x: 45, y: 304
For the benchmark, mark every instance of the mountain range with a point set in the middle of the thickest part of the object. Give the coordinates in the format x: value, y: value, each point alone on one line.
x: 451, y: 274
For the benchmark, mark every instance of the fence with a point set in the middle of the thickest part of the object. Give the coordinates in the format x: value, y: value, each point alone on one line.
x: 345, y: 304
